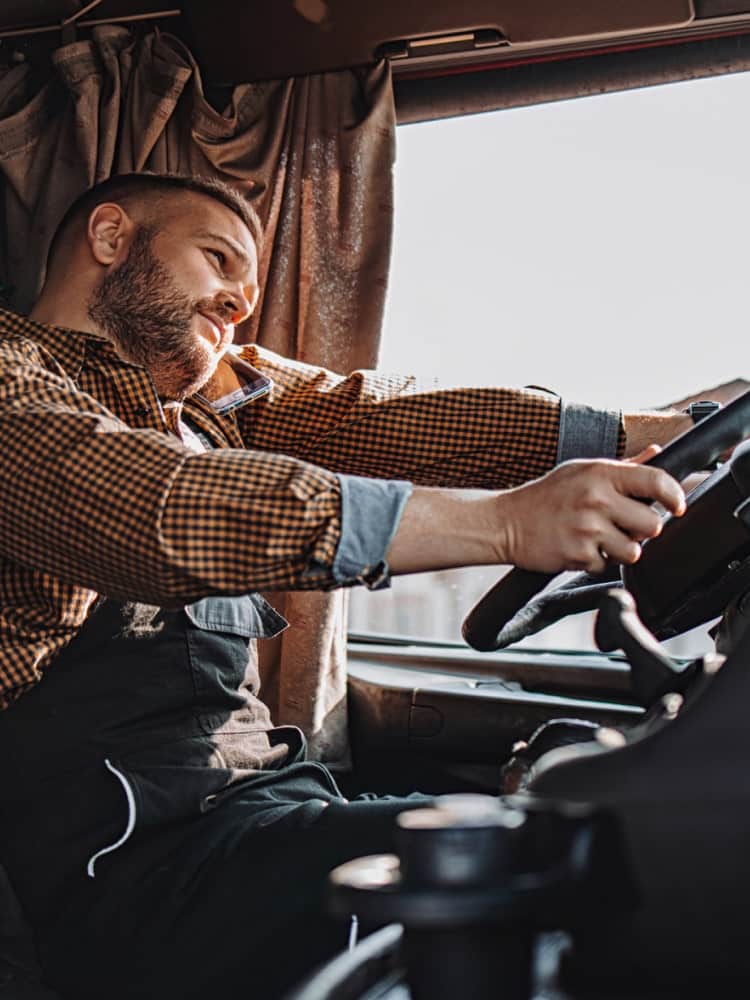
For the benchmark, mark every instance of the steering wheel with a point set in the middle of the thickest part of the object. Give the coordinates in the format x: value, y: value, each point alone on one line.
x: 691, y: 570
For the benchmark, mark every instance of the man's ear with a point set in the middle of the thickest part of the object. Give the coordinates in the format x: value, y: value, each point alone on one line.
x: 109, y: 232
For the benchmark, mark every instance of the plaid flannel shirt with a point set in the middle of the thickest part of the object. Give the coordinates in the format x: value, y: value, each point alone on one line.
x: 101, y: 497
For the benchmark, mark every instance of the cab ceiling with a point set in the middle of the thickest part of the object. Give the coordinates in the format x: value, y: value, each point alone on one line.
x: 286, y: 37
x: 448, y: 56
x: 246, y: 40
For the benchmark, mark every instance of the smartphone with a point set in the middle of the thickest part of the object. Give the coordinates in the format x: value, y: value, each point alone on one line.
x: 252, y: 385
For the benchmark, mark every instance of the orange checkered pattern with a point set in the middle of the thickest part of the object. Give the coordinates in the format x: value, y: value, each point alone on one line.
x: 100, y: 497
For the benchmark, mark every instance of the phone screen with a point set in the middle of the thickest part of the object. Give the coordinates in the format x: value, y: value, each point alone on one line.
x: 253, y: 385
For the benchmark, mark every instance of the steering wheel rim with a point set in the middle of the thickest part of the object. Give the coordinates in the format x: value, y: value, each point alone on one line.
x: 697, y: 448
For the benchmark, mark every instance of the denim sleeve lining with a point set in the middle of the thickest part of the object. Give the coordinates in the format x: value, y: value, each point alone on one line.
x: 586, y: 432
x: 370, y: 513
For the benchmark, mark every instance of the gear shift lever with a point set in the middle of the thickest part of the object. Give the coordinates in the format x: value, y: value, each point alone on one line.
x: 652, y: 672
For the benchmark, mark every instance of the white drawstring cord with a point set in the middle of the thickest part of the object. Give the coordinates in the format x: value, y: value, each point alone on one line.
x: 128, y: 829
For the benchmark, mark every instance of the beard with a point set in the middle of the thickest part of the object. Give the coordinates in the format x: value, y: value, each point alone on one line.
x: 141, y: 309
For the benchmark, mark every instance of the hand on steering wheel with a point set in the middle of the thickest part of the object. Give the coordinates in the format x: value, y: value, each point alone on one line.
x: 586, y: 512
x: 696, y: 449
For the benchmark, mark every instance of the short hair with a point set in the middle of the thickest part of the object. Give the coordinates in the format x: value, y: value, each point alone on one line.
x: 142, y: 187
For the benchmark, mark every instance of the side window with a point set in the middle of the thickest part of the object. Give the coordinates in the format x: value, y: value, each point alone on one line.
x: 592, y: 246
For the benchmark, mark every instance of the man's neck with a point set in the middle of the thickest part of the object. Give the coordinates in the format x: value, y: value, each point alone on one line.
x: 67, y: 310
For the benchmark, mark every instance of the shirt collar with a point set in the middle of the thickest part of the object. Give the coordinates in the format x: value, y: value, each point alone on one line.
x: 70, y: 348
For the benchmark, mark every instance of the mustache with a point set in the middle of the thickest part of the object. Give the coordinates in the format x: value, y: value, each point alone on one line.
x: 220, y: 309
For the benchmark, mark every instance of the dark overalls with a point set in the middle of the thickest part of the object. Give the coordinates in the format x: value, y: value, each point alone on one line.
x: 164, y: 839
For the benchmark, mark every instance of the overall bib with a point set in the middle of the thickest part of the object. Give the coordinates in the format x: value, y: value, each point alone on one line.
x: 163, y: 837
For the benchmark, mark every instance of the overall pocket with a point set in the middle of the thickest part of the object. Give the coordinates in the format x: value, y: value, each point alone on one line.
x: 223, y: 666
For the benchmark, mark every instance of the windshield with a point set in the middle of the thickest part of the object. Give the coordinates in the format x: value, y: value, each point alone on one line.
x: 591, y: 246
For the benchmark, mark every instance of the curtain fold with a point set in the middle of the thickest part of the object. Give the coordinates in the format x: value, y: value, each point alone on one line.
x: 314, y: 155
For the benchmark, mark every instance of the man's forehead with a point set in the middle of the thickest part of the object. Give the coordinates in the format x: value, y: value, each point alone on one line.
x: 195, y: 213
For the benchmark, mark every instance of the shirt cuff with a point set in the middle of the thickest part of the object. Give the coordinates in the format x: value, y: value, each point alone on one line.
x: 370, y: 513
x: 586, y: 432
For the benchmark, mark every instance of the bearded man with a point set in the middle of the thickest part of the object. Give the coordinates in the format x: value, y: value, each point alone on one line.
x: 164, y: 837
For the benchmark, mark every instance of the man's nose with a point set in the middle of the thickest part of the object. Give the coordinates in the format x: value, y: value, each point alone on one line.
x: 240, y: 302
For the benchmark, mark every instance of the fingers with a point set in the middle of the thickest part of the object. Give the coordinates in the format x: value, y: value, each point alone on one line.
x: 626, y: 521
x: 619, y: 546
x: 644, y: 456
x: 611, y: 518
x: 688, y: 484
x: 636, y: 519
x: 586, y: 513
x: 648, y: 483
x: 597, y: 546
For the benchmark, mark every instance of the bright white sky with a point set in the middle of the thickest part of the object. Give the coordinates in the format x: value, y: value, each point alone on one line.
x: 597, y: 246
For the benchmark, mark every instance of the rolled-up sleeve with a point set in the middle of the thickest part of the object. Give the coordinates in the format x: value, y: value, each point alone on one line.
x: 587, y: 432
x: 370, y: 513
x: 134, y: 514
x: 397, y: 427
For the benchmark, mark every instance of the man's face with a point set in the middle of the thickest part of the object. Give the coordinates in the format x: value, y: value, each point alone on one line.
x: 172, y: 305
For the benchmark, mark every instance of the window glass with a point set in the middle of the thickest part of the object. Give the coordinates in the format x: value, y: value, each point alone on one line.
x: 593, y: 246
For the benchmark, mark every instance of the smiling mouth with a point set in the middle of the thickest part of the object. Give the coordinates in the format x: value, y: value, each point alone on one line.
x: 217, y: 330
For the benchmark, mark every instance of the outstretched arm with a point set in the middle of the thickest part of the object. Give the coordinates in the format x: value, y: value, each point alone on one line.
x: 573, y: 518
x: 371, y: 424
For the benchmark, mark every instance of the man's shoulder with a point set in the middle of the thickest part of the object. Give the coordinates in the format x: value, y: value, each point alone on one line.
x: 24, y: 338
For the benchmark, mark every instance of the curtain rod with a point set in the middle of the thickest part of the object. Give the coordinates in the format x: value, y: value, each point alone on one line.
x: 79, y: 13
x: 45, y: 29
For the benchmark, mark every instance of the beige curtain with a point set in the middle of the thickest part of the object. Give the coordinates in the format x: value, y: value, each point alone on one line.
x: 314, y: 156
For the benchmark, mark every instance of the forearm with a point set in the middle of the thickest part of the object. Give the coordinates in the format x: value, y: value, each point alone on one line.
x: 444, y: 529
x: 653, y: 427
x: 576, y: 517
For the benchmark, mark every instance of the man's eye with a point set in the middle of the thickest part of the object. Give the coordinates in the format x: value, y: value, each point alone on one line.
x: 218, y: 255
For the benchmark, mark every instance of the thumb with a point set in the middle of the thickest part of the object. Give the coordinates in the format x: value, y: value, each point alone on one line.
x: 644, y: 456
